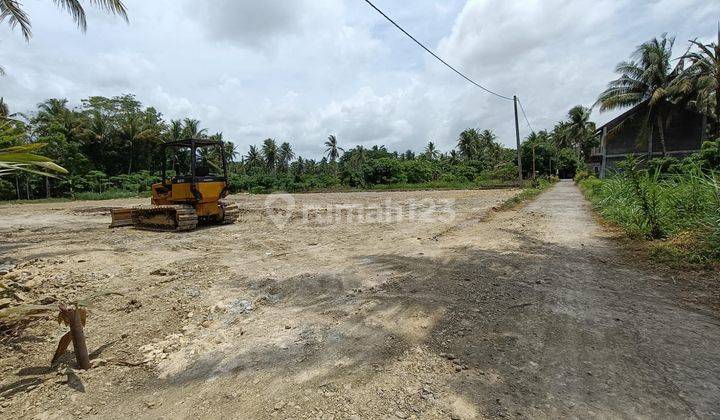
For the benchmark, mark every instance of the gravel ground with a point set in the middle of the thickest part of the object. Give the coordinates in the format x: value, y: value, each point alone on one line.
x: 423, y: 304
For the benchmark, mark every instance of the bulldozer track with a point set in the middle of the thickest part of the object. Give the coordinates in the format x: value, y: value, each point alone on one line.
x: 180, y: 217
x: 231, y: 212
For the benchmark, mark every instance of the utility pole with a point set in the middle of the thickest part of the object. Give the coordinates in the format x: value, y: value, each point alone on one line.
x: 517, y: 138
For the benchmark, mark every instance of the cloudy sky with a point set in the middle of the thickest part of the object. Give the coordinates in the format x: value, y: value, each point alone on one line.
x: 298, y: 70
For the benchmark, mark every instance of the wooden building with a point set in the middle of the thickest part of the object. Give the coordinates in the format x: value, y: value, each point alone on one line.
x: 623, y: 136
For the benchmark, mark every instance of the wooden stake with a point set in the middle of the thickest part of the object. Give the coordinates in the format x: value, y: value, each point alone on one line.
x: 74, y: 319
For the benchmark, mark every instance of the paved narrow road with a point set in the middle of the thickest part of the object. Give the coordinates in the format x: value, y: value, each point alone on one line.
x: 602, y: 335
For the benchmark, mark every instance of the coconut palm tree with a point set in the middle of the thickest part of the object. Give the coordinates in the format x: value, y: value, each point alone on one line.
x: 192, y: 130
x: 95, y: 132
x: 468, y: 143
x: 230, y: 151
x: 285, y: 155
x: 4, y: 111
x: 700, y: 82
x: 270, y: 152
x: 580, y: 130
x: 431, y: 151
x: 332, y: 150
x: 175, y: 131
x: 132, y: 130
x: 253, y: 158
x: 17, y: 17
x: 647, y: 78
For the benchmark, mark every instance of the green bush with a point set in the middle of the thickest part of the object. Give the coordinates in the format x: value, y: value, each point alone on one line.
x: 384, y: 171
x: 582, y: 175
x: 656, y: 205
x: 7, y: 190
x: 417, y: 171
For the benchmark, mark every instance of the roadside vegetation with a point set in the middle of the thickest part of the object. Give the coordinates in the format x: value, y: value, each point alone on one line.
x: 530, y: 191
x: 674, y: 203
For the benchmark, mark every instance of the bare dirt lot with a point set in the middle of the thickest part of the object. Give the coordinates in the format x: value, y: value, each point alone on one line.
x: 431, y: 310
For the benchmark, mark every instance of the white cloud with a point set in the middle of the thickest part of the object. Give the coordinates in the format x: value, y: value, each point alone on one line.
x: 300, y: 70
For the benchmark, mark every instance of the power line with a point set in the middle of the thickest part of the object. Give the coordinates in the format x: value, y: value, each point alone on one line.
x: 435, y: 55
x: 525, y: 115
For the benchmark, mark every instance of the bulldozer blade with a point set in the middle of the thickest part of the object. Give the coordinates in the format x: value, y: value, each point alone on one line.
x: 121, y: 217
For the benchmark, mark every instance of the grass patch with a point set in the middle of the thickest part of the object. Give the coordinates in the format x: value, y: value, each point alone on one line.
x: 105, y: 195
x: 444, y: 185
x: 110, y: 194
x: 529, y: 192
x: 677, y: 214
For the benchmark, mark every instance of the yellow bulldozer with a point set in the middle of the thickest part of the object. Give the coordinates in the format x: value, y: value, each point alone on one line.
x: 193, y: 194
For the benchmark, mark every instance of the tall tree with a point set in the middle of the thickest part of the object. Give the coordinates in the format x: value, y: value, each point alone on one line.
x: 270, y: 153
x: 431, y: 151
x: 332, y: 150
x: 134, y: 129
x: 700, y: 82
x: 469, y: 143
x: 192, y: 130
x: 580, y: 130
x: 646, y: 78
x: 285, y: 155
x: 253, y: 158
x: 175, y: 131
x: 4, y: 111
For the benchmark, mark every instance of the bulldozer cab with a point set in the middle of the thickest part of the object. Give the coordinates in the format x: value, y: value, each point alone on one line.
x: 194, y: 160
x: 193, y: 171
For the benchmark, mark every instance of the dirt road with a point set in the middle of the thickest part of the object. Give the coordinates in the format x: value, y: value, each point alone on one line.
x: 433, y: 309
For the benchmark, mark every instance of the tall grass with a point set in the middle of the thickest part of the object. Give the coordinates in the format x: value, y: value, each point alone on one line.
x: 680, y: 207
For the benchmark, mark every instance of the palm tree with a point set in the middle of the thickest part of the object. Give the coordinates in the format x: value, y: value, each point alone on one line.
x: 285, y: 155
x: 453, y: 157
x: 580, y: 129
x: 468, y: 143
x: 253, y: 157
x: 17, y: 17
x: 647, y: 78
x: 230, y: 151
x: 96, y: 133
x: 358, y: 156
x: 430, y: 151
x: 4, y: 111
x: 132, y: 129
x: 192, y: 130
x: 175, y: 131
x: 701, y: 80
x: 270, y: 152
x: 560, y: 135
x: 332, y: 150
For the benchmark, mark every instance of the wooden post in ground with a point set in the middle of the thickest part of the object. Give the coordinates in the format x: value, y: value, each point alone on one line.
x: 74, y: 319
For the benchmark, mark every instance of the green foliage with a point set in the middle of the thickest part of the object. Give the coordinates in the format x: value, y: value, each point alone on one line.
x: 530, y: 191
x: 7, y: 190
x: 110, y: 147
x: 710, y: 154
x: 675, y: 206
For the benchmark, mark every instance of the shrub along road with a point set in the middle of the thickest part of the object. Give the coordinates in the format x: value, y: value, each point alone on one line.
x: 532, y: 312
